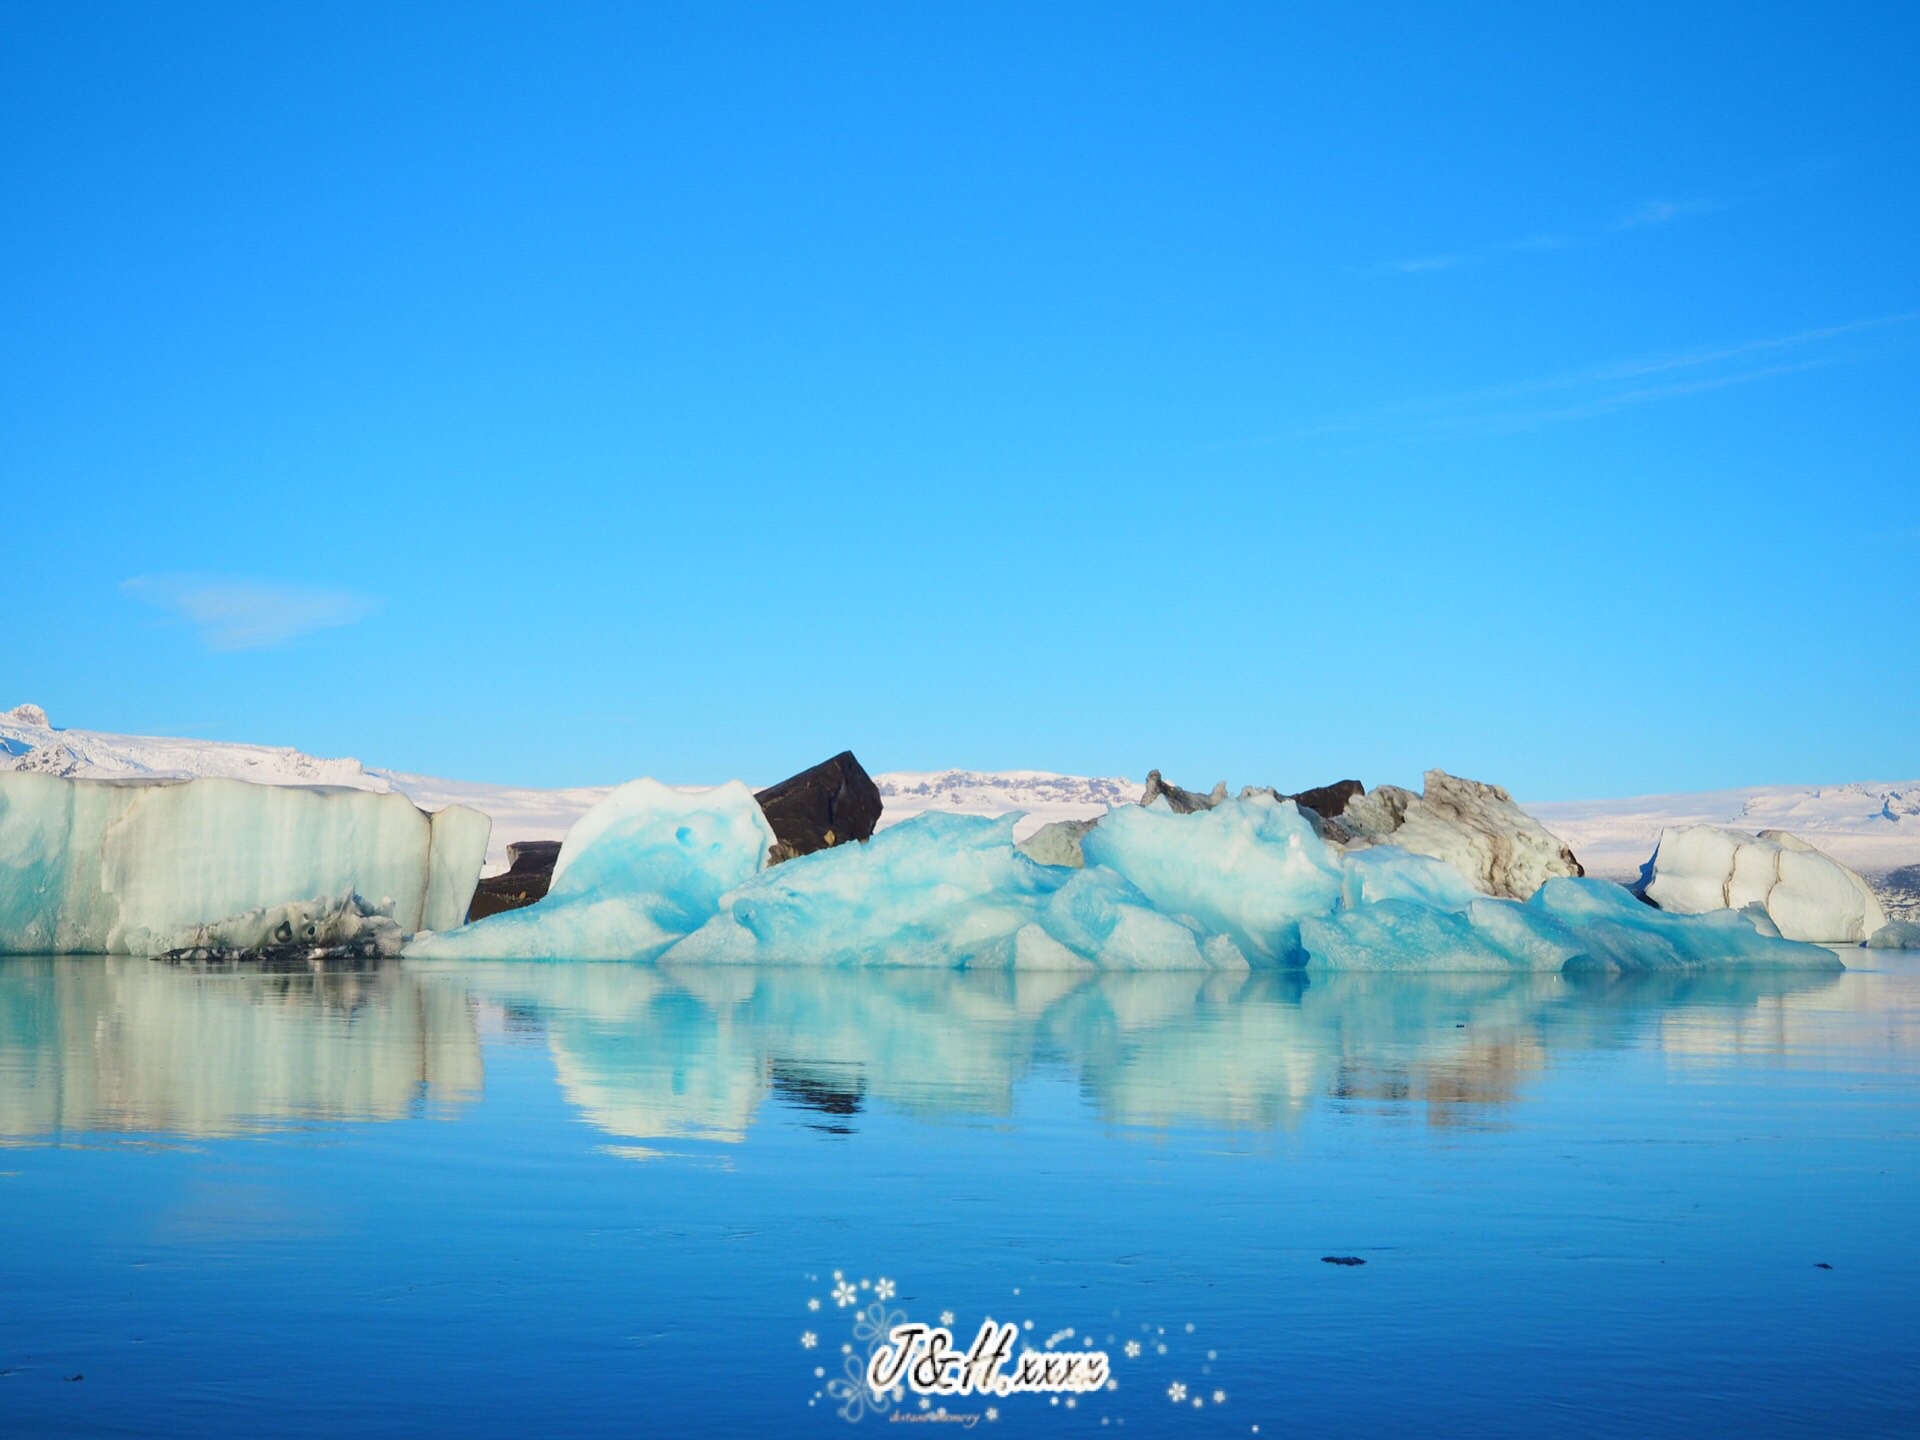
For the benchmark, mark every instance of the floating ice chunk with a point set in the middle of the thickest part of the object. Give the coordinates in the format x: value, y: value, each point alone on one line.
x: 645, y: 866
x: 1386, y: 872
x: 1810, y: 896
x: 1248, y: 869
x: 137, y: 867
x: 1618, y: 932
x: 1895, y: 935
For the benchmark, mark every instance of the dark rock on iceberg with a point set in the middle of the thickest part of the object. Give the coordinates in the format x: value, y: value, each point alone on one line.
x: 830, y: 804
x: 528, y: 874
x: 1328, y: 801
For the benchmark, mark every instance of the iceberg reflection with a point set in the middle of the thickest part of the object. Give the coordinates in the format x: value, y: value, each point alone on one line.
x: 126, y: 1045
x: 652, y: 1052
x: 657, y: 1052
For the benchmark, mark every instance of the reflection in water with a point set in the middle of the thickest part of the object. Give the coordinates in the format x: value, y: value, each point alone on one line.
x: 132, y: 1045
x: 650, y: 1053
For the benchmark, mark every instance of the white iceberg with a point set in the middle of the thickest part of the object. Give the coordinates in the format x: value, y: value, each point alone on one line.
x: 1807, y: 895
x: 145, y: 867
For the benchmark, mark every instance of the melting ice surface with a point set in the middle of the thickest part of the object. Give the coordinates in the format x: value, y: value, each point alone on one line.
x: 503, y: 1199
x: 658, y: 873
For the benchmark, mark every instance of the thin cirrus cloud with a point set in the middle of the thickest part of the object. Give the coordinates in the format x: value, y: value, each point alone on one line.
x: 235, y: 614
x: 1580, y: 395
x: 1648, y: 214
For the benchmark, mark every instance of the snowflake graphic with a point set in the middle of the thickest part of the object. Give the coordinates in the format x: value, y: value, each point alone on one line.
x: 875, y: 1324
x: 1219, y: 1397
x: 808, y: 1340
x: 814, y: 1303
x: 1133, y: 1349
x: 856, y: 1399
x: 993, y: 1414
x: 946, y: 1318
x: 883, y: 1289
x: 844, y: 1294
x: 1176, y: 1392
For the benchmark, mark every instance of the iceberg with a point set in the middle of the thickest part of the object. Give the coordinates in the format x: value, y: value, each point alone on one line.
x: 644, y: 867
x: 1806, y: 894
x: 1247, y: 869
x: 1472, y: 826
x: 143, y: 867
x: 1616, y: 931
x: 659, y: 874
x: 1896, y: 935
x: 937, y: 890
x: 1400, y: 935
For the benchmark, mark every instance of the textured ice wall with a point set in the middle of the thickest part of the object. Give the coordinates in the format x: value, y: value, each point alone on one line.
x: 139, y: 867
x: 656, y: 873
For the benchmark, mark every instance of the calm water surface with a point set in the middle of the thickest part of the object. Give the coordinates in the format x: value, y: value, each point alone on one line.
x: 599, y: 1199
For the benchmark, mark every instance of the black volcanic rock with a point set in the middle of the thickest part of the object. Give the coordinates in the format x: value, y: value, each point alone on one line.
x: 529, y: 872
x: 1328, y: 801
x: 834, y: 802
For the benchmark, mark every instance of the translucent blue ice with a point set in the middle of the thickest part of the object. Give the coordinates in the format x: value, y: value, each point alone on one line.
x: 1617, y: 931
x: 1247, y: 869
x: 642, y: 868
x: 659, y: 873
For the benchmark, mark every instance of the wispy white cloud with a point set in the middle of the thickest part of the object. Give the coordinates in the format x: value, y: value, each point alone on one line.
x: 1665, y: 212
x: 1579, y: 395
x: 236, y: 614
x: 1648, y: 214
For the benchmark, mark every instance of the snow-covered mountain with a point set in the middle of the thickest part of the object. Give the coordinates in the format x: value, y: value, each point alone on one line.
x: 1870, y: 826
x: 1873, y: 827
x: 1043, y: 795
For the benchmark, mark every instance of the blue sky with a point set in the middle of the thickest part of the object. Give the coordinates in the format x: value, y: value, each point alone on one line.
x: 557, y: 394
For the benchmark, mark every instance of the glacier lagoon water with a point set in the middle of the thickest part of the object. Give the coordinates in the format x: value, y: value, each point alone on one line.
x: 598, y: 1199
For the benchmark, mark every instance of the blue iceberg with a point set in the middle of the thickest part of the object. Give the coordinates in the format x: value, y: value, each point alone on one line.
x: 683, y: 877
x: 644, y: 867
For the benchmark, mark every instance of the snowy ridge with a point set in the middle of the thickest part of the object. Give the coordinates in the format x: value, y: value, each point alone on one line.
x: 1043, y: 795
x: 27, y: 742
x: 1868, y: 825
